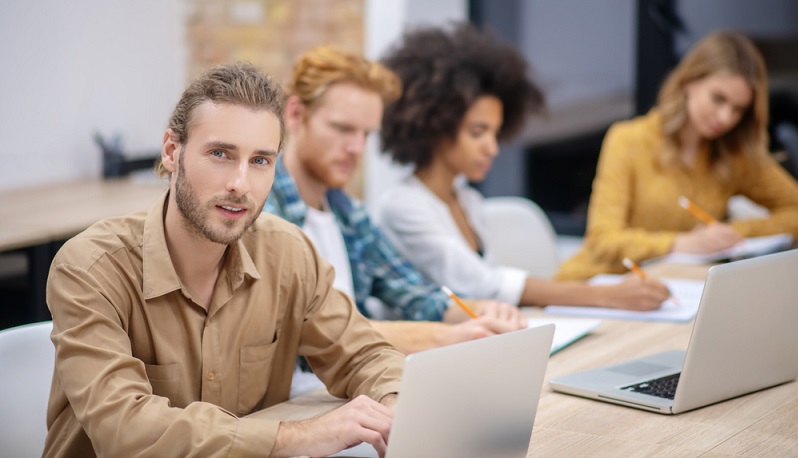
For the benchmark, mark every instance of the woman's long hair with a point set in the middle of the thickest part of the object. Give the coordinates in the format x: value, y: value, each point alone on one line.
x: 720, y: 52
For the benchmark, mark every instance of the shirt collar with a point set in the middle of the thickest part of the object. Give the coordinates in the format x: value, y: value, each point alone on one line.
x: 242, y: 261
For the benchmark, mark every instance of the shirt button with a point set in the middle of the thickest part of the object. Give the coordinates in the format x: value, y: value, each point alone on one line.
x: 211, y: 375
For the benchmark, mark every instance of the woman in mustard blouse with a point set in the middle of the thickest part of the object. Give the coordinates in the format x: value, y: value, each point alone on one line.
x: 705, y: 139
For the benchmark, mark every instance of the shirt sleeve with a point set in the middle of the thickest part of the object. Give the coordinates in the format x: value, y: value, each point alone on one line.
x: 609, y: 236
x: 395, y: 280
x: 109, y: 390
x: 341, y: 346
x: 769, y: 185
x: 421, y: 234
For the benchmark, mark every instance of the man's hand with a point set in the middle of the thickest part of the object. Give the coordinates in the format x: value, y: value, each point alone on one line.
x: 499, y: 310
x: 389, y: 401
x: 634, y: 293
x: 494, y: 318
x: 360, y: 420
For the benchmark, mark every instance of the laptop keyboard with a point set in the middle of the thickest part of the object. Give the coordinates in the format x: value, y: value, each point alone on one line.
x: 663, y: 387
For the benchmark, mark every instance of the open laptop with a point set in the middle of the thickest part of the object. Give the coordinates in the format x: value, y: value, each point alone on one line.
x: 474, y: 399
x: 743, y: 340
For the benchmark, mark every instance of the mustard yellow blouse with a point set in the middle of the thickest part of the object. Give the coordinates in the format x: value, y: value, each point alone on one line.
x: 634, y: 210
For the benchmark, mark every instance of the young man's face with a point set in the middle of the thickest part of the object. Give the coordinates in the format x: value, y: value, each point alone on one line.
x: 224, y: 172
x: 332, y: 138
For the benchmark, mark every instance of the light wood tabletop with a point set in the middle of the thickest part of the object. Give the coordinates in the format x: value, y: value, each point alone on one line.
x: 764, y: 423
x: 58, y: 211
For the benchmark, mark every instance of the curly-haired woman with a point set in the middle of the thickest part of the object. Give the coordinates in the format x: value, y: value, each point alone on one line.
x: 464, y: 90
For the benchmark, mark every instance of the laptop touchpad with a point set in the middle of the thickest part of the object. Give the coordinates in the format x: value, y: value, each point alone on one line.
x: 638, y: 368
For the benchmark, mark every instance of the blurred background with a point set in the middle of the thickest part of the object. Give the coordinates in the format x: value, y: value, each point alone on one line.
x: 78, y: 71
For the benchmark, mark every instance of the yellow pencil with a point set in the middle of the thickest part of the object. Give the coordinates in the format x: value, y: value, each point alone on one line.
x: 629, y: 264
x: 459, y: 302
x: 697, y: 211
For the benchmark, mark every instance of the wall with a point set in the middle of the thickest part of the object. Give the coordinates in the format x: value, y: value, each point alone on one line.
x: 268, y: 33
x: 582, y: 55
x: 74, y: 68
x: 759, y: 19
x: 580, y: 50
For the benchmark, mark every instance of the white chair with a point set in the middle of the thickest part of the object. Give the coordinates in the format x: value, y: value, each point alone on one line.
x: 26, y: 358
x: 520, y: 235
x: 787, y: 134
x: 740, y: 207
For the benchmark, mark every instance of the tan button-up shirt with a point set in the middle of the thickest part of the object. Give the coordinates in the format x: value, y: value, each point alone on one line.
x: 142, y: 369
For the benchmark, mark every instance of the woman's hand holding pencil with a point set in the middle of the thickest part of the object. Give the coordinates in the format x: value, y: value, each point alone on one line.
x: 631, y: 265
x: 711, y: 236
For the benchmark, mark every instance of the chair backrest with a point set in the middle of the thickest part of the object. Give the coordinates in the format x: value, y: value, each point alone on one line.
x: 787, y: 134
x: 26, y: 356
x: 519, y: 234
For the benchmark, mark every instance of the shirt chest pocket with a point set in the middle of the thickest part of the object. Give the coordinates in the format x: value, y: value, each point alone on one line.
x: 165, y: 381
x: 255, y: 369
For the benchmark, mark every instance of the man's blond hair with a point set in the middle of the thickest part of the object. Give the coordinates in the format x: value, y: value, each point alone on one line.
x: 319, y: 68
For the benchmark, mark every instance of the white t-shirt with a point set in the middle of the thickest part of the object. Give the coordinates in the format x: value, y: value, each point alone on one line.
x: 325, y: 234
x: 323, y: 231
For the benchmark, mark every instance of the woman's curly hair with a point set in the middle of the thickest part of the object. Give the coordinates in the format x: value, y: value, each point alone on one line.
x: 443, y: 72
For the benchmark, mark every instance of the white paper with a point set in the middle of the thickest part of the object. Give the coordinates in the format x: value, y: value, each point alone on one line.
x: 748, y: 248
x: 566, y: 330
x: 686, y: 292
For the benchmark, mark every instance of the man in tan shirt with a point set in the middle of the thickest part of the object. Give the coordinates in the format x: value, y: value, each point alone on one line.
x: 171, y: 325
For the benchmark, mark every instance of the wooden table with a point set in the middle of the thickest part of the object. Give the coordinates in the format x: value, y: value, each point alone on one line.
x: 38, y: 220
x: 759, y: 424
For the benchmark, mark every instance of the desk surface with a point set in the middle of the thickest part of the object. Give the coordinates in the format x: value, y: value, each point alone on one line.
x: 758, y: 424
x: 37, y: 215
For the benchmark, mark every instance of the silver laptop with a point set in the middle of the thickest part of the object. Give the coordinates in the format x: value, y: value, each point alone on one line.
x: 474, y: 399
x: 743, y: 340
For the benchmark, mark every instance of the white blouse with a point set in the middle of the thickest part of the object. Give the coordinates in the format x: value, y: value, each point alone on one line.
x: 424, y: 231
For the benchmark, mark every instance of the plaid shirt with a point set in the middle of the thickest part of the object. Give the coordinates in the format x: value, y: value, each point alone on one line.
x: 378, y: 270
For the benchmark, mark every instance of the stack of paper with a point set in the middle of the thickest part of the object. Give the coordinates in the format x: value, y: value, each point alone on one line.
x: 687, y: 293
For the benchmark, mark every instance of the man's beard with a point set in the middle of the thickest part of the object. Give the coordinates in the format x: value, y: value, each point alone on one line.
x: 195, y: 216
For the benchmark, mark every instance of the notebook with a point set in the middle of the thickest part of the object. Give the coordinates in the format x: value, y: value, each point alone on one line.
x: 748, y: 248
x: 687, y: 292
x: 473, y: 399
x: 743, y: 340
x: 566, y: 330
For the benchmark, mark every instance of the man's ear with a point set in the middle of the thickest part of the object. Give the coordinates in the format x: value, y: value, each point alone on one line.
x: 295, y: 112
x: 169, y: 151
